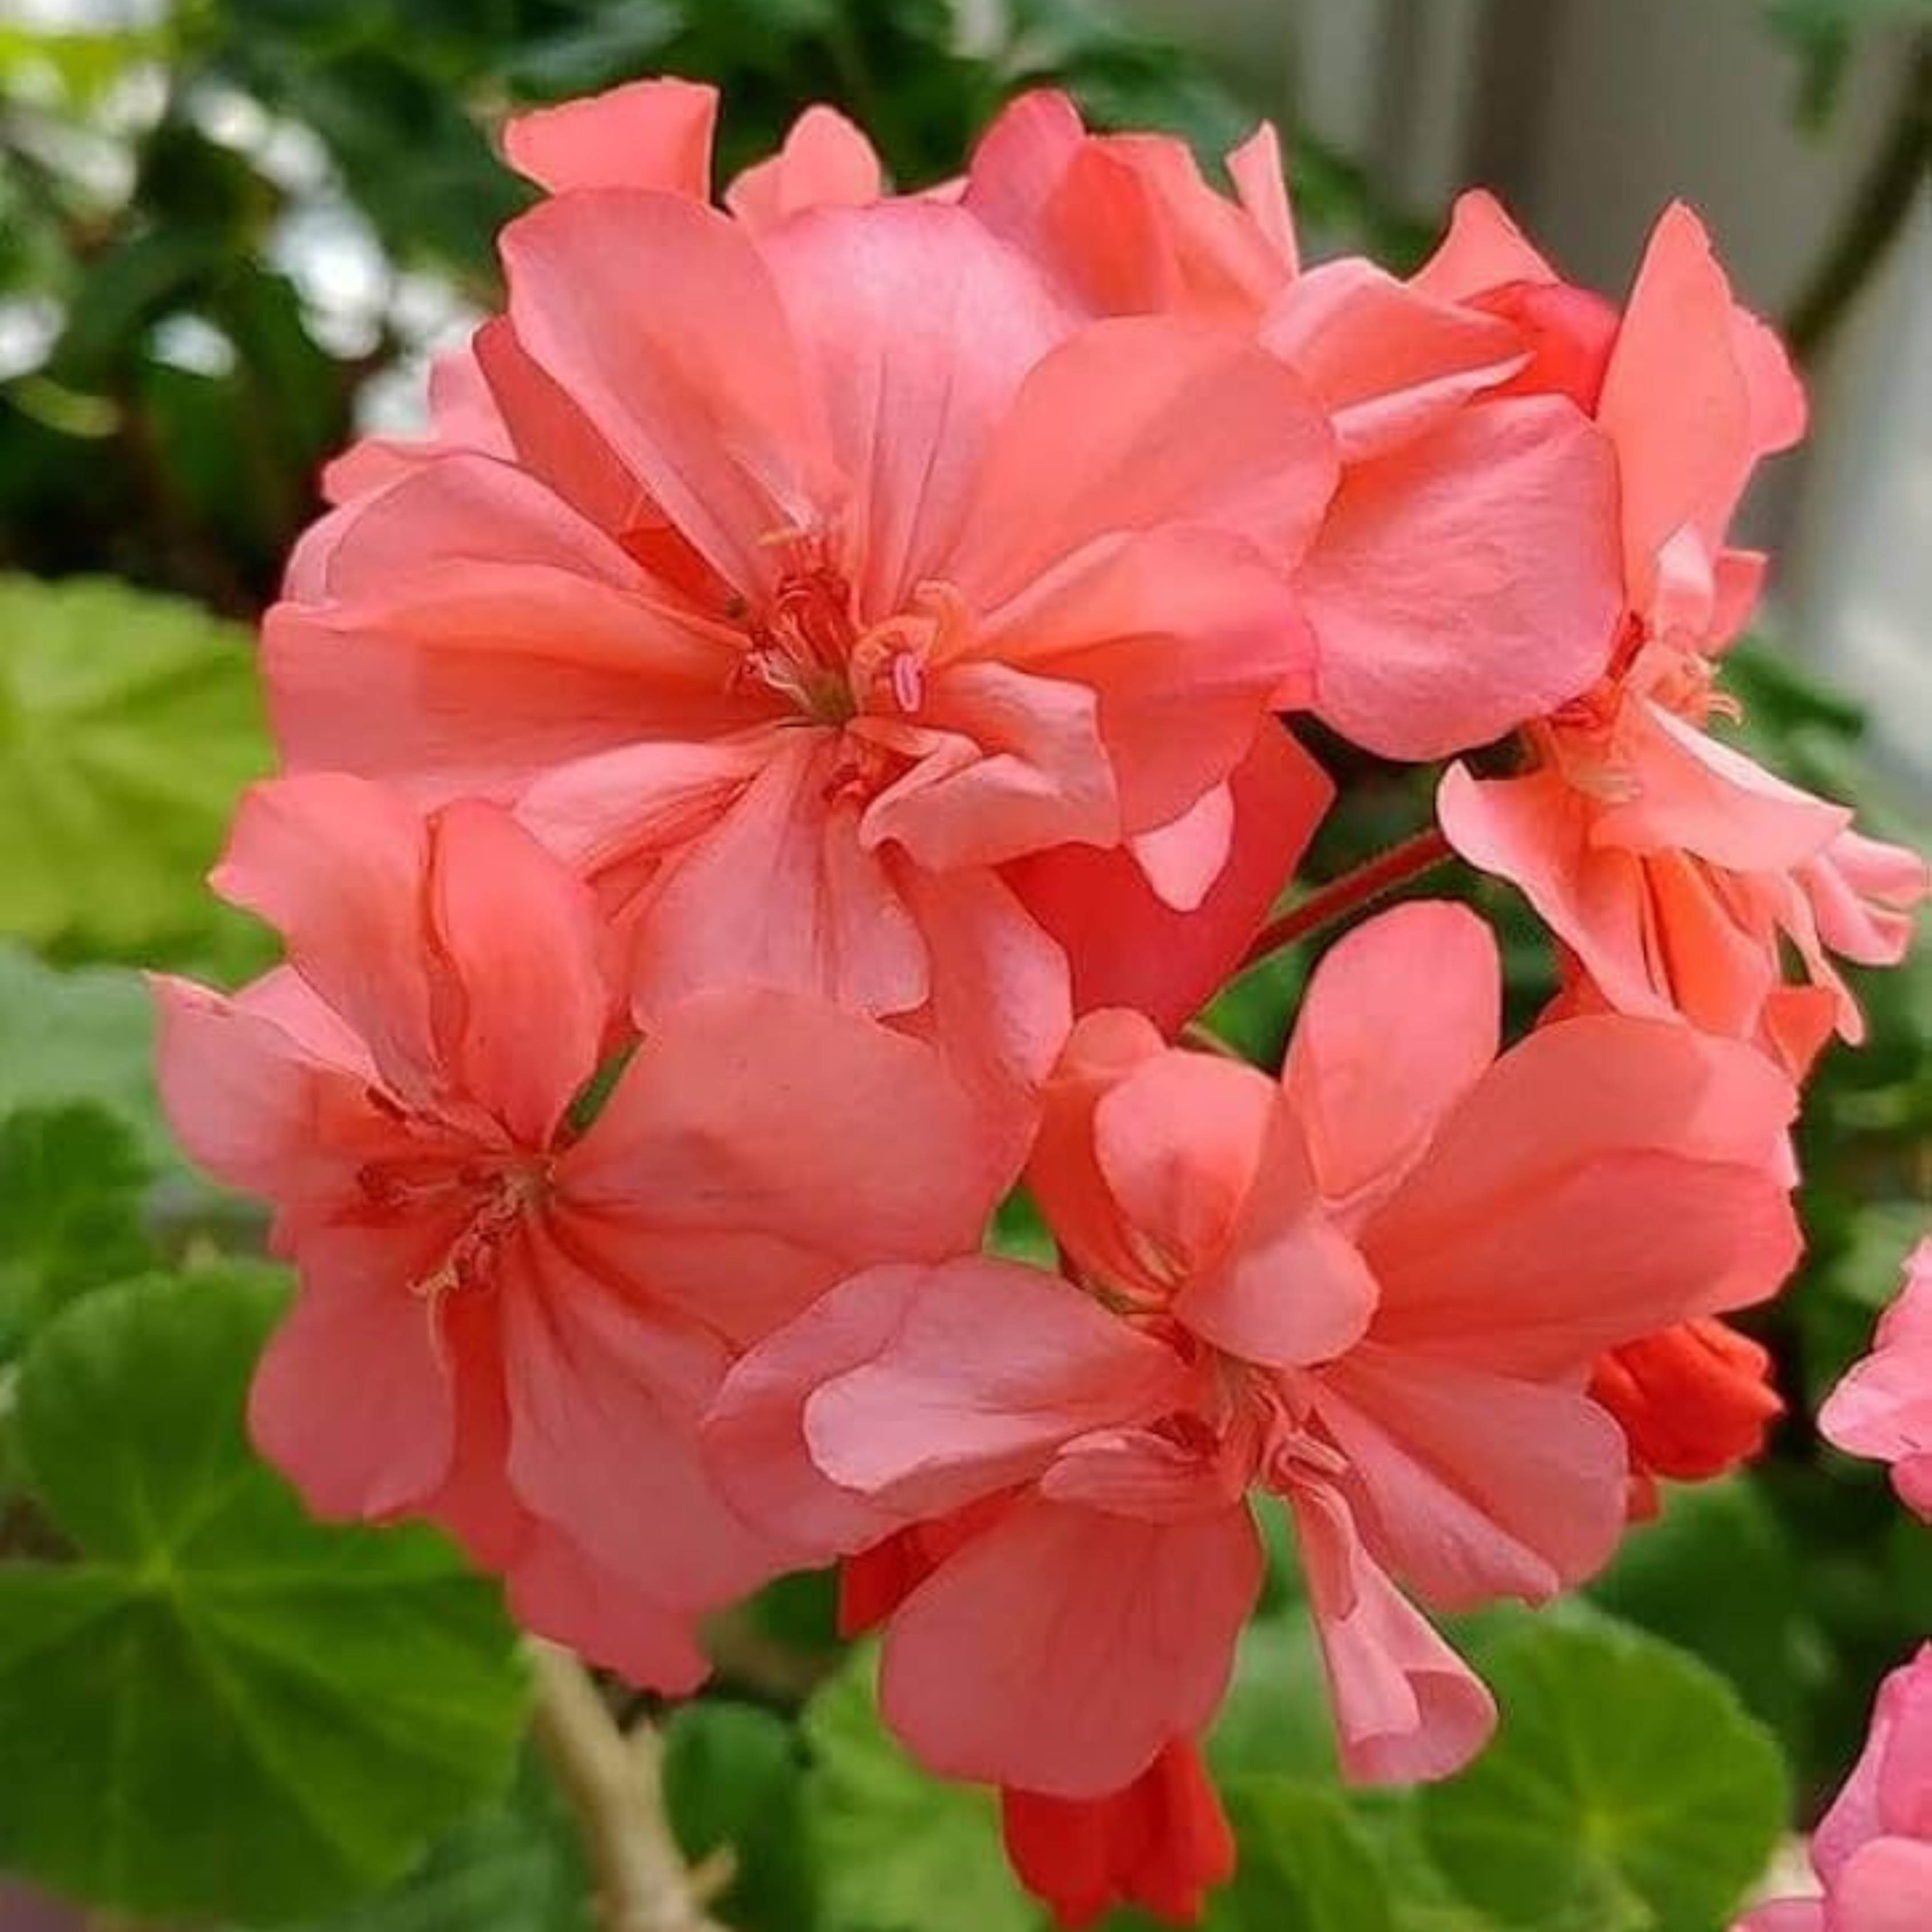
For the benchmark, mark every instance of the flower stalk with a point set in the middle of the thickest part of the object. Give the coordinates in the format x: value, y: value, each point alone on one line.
x: 1353, y: 890
x: 613, y: 1783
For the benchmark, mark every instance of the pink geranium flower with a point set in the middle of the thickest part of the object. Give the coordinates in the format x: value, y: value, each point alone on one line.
x: 1883, y: 1407
x: 503, y: 1323
x: 1362, y: 1290
x: 823, y: 572
x: 1872, y: 1851
x: 1673, y: 867
x: 1465, y: 578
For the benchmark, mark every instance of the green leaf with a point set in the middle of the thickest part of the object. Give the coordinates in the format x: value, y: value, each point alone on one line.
x: 734, y: 1781
x: 221, y: 1707
x: 71, y: 1180
x: 1306, y: 1865
x: 895, y: 1850
x: 1627, y: 1787
x: 1682, y: 1577
x: 85, y: 1035
x: 513, y: 1866
x: 1276, y: 1718
x: 128, y: 723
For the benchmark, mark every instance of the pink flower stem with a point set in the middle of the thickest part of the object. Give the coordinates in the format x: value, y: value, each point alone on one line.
x: 1352, y: 890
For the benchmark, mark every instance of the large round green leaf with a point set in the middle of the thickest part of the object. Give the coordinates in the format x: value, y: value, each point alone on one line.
x: 896, y: 1848
x: 221, y: 1707
x: 1627, y: 1788
x: 128, y: 723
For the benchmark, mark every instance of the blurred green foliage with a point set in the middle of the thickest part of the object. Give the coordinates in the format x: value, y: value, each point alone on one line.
x: 212, y: 1707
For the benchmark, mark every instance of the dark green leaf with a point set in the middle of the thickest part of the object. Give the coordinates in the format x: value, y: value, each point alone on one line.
x: 71, y: 1180
x: 514, y: 1867
x: 734, y: 1782
x: 897, y: 1850
x: 221, y: 1707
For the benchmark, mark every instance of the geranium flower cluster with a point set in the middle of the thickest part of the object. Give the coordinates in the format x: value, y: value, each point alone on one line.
x: 784, y: 759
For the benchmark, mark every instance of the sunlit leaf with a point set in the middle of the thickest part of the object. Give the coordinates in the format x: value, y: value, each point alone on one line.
x: 128, y: 723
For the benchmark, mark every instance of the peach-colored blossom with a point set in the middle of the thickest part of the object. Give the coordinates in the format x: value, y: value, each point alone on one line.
x: 1361, y: 1289
x: 504, y: 1323
x: 1674, y: 867
x: 1465, y: 578
x: 835, y: 570
x: 1883, y: 1407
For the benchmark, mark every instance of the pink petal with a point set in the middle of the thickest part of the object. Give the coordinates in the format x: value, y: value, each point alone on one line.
x: 263, y: 1089
x: 1408, y: 1709
x: 461, y: 509
x: 1687, y: 419
x: 1466, y: 581
x: 1886, y: 1886
x: 760, y: 1146
x: 1882, y: 1408
x: 754, y: 1436
x: 997, y: 1005
x: 1291, y: 1288
x: 658, y: 318
x: 336, y: 865
x: 1696, y: 793
x: 1597, y: 1086
x: 470, y: 678
x: 1139, y: 1472
x: 826, y: 162
x: 1186, y: 637
x: 1400, y: 1021
x: 1540, y: 1276
x: 990, y: 1368
x: 1536, y: 831
x: 1255, y: 167
x: 552, y: 437
x: 1482, y: 249
x: 1127, y: 947
x: 557, y: 1589
x: 1134, y: 228
x: 1386, y: 361
x: 616, y: 815
x: 1448, y: 1493
x: 782, y: 892
x: 1178, y: 1142
x: 523, y: 939
x: 1019, y: 163
x: 917, y: 327
x: 1138, y: 423
x: 606, y: 1391
x: 352, y: 1400
x: 646, y: 134
x: 1062, y: 1649
x: 1864, y: 895
x: 1182, y: 858
x: 1013, y: 763
x: 1890, y: 1789
x: 1064, y: 1174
